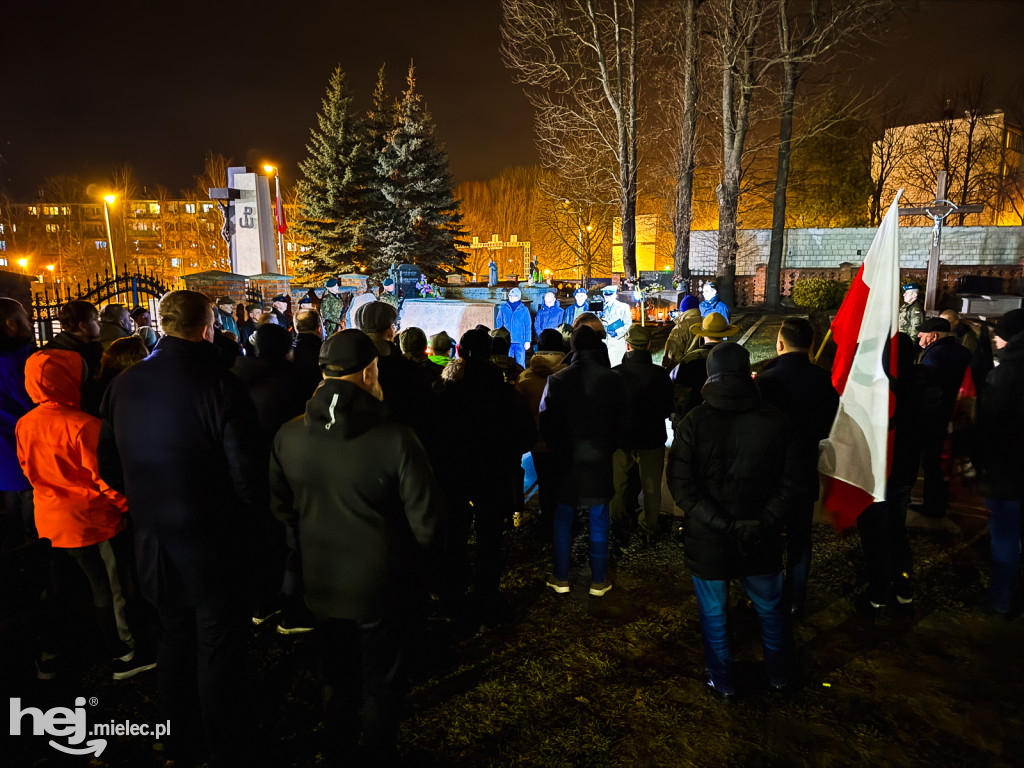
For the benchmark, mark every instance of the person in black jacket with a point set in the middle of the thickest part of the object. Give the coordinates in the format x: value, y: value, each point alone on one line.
x: 999, y: 456
x: 649, y: 392
x: 734, y: 471
x: 804, y: 392
x: 583, y: 418
x: 483, y: 449
x: 358, y: 490
x: 946, y: 360
x: 177, y: 439
x: 689, y: 375
x: 309, y: 336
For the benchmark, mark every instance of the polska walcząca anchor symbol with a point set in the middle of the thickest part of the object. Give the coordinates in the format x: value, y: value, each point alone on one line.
x: 247, y: 221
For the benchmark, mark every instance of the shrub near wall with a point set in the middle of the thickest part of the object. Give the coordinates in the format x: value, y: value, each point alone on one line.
x: 815, y: 293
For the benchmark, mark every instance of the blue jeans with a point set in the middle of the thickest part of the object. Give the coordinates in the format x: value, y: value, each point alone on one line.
x: 765, y: 592
x: 598, y: 541
x: 1004, y: 527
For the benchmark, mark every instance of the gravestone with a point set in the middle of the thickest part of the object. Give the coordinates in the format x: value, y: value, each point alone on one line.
x: 406, y: 277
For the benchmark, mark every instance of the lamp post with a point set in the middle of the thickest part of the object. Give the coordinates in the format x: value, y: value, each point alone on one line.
x: 280, y: 216
x: 23, y: 263
x: 108, y: 200
x: 53, y: 284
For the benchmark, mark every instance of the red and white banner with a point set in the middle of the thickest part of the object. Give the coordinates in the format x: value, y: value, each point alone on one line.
x: 282, y: 225
x: 856, y: 454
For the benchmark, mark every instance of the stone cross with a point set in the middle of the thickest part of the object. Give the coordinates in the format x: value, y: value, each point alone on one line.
x: 937, y: 212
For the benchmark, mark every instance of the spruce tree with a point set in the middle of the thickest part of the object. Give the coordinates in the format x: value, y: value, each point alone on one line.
x: 331, y: 191
x: 380, y: 214
x: 415, y: 181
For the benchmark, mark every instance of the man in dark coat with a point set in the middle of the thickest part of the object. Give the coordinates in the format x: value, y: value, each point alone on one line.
x: 578, y: 307
x: 999, y: 456
x: 309, y: 336
x: 735, y: 473
x: 359, y: 491
x: 481, y: 450
x: 946, y: 360
x: 804, y: 392
x: 177, y: 439
x: 115, y: 323
x: 649, y: 390
x: 583, y: 418
x: 253, y: 314
x: 80, y: 332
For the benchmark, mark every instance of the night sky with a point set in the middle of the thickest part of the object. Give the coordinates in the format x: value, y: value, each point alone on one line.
x: 91, y: 85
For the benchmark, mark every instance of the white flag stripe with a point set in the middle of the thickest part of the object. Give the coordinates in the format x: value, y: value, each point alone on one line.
x: 856, y: 449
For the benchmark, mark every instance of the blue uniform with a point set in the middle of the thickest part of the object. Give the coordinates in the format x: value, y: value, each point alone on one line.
x: 514, y: 316
x: 547, y: 317
x: 714, y: 304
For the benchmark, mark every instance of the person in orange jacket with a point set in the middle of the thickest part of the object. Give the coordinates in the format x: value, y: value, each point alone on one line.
x: 76, y: 510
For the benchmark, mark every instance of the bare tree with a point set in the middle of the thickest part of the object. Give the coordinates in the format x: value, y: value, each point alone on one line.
x: 571, y: 236
x: 577, y: 60
x: 809, y: 33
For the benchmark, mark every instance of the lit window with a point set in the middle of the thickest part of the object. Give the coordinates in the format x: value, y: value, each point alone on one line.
x: 190, y: 207
x: 1, y: 229
x: 101, y: 245
x: 154, y: 207
x: 3, y: 262
x: 50, y: 210
x: 31, y: 210
x: 175, y: 262
x: 207, y: 207
x: 3, y: 247
x: 289, y: 246
x: 53, y: 227
x: 65, y: 211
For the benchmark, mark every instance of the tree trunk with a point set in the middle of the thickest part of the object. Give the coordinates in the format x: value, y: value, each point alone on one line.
x: 684, y: 195
x: 773, y: 275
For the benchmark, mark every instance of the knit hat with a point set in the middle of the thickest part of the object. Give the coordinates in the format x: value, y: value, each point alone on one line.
x: 688, y: 302
x: 475, y: 343
x: 1010, y: 324
x: 347, y: 352
x: 515, y: 293
x: 728, y: 357
x: 638, y: 336
x: 714, y: 326
x: 412, y: 341
x: 375, y: 316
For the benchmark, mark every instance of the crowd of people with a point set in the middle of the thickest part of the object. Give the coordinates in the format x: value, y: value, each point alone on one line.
x: 288, y: 467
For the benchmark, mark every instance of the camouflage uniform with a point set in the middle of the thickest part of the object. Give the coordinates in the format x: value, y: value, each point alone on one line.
x: 332, y: 307
x: 911, y: 317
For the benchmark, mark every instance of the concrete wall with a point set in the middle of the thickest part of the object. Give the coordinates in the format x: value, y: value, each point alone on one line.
x: 823, y: 248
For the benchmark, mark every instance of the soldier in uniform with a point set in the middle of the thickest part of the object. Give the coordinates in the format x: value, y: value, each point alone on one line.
x: 911, y: 310
x: 579, y: 306
x: 332, y: 306
x: 388, y: 295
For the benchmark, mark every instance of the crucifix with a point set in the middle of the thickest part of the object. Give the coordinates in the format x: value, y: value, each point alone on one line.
x: 937, y: 212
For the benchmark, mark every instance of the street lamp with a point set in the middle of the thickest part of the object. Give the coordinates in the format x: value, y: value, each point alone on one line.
x: 23, y: 263
x: 53, y: 284
x: 107, y: 202
x: 280, y: 215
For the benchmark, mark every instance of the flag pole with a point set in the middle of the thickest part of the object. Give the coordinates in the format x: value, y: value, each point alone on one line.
x: 823, y: 343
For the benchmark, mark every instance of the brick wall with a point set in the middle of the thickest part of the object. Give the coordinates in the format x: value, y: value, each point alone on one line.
x: 215, y: 283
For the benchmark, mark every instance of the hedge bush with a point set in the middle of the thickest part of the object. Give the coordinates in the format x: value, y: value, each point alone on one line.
x: 816, y: 293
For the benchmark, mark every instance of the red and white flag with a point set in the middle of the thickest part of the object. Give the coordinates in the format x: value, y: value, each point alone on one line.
x: 855, y: 457
x: 282, y: 225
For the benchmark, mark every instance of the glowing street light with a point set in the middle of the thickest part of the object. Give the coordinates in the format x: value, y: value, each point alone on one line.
x: 23, y: 263
x: 280, y: 215
x: 53, y: 282
x: 107, y: 202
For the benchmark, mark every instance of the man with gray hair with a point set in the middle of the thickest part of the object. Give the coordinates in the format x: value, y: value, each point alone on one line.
x: 115, y: 323
x: 193, y: 484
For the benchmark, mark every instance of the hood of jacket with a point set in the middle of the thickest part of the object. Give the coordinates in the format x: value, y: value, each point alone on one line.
x: 1013, y: 351
x: 55, y: 376
x: 545, y: 363
x: 688, y: 318
x: 342, y: 408
x: 734, y: 392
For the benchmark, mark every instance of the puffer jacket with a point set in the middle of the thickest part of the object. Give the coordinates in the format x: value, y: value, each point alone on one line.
x: 57, y: 442
x: 733, y: 460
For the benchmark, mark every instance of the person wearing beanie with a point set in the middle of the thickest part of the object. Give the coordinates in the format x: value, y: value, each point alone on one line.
x: 577, y: 308
x: 681, y: 339
x: 583, y: 420
x: 649, y: 390
x: 736, y: 495
x: 515, y: 318
x: 999, y: 457
x: 946, y: 362
x: 357, y: 491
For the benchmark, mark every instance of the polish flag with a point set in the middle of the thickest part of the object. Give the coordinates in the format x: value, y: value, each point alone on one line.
x: 855, y: 456
x: 282, y: 225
